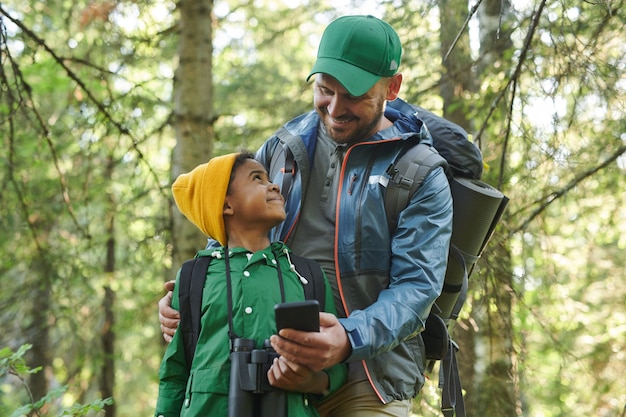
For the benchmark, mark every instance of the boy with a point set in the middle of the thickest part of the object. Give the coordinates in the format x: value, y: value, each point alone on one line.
x: 231, y: 200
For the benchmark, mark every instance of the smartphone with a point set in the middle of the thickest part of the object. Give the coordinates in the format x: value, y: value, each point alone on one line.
x: 299, y: 315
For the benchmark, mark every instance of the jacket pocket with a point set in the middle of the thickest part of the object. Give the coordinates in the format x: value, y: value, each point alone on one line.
x: 203, y: 389
x: 210, y: 380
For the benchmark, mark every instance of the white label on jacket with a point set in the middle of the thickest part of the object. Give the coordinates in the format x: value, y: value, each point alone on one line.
x: 379, y: 179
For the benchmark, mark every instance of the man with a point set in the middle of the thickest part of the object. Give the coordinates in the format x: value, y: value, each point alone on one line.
x: 332, y: 164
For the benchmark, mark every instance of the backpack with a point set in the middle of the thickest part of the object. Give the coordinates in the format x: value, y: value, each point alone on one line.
x: 477, y: 208
x: 191, y: 284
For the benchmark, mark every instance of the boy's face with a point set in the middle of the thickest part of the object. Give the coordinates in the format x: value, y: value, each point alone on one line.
x: 253, y: 199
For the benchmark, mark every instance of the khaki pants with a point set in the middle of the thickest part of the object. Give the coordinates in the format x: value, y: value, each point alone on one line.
x: 357, y: 399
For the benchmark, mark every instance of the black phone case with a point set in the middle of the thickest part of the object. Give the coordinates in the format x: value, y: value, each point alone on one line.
x: 299, y: 315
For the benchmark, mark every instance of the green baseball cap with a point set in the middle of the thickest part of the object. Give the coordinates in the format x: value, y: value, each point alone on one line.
x: 357, y: 51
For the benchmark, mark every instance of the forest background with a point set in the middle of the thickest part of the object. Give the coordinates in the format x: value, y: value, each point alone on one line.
x: 104, y: 102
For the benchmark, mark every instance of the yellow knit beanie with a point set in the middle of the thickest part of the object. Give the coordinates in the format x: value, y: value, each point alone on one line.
x: 200, y: 195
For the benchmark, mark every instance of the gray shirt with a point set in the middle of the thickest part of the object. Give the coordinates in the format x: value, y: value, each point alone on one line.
x: 314, y: 234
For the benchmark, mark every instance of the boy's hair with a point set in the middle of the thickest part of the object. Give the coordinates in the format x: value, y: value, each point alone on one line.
x: 239, y: 160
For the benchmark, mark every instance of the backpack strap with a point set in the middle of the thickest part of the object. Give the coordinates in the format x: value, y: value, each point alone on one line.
x: 456, y: 254
x: 191, y: 283
x: 288, y: 172
x: 314, y: 289
x: 452, y: 404
x: 407, y: 173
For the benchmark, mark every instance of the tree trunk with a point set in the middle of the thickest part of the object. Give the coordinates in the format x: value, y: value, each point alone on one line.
x: 494, y: 32
x: 494, y: 384
x: 457, y: 80
x: 193, y: 107
x: 107, y: 334
x: 107, y: 337
x: 39, y: 333
x: 484, y: 338
x: 37, y: 330
x: 495, y: 381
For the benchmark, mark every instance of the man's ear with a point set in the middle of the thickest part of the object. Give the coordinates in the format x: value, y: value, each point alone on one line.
x: 393, y: 88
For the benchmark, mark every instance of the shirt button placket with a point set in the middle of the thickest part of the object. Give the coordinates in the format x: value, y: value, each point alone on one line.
x: 247, y: 310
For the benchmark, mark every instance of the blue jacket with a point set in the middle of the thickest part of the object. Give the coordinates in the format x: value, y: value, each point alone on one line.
x: 387, y: 279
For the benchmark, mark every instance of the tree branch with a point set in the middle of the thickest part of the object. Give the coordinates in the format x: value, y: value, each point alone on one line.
x: 518, y: 70
x: 545, y: 201
x: 100, y: 106
x: 462, y: 29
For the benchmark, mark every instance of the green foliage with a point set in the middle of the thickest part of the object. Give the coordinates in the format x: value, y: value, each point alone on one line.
x: 76, y: 175
x: 85, y: 122
x: 564, y: 225
x: 12, y: 364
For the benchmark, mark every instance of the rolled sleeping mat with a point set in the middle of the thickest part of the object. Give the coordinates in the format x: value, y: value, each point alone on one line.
x: 477, y: 209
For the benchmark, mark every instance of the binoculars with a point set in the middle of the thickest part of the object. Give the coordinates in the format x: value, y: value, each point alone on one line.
x: 250, y: 393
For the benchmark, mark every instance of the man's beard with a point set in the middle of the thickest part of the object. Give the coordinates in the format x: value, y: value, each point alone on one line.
x: 362, y: 133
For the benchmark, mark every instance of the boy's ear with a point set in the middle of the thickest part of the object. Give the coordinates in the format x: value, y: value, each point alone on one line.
x: 228, y: 209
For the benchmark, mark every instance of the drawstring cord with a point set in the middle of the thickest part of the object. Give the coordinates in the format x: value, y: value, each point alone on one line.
x: 292, y: 267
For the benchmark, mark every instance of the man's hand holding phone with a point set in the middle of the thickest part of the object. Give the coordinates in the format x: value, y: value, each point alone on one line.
x: 319, y: 349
